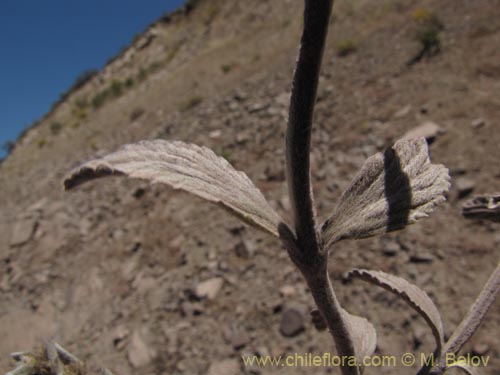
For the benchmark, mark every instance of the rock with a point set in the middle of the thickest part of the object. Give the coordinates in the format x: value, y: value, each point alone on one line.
x: 242, y: 138
x: 276, y: 173
x: 4, y: 283
x: 230, y: 366
x: 287, y: 290
x: 245, y: 249
x: 23, y: 231
x: 191, y: 308
x: 283, y: 99
x: 391, y: 248
x: 139, y: 192
x: 209, y: 288
x: 421, y: 258
x: 478, y: 123
x: 480, y: 348
x: 292, y: 320
x: 138, y: 352
x: 119, y: 335
x: 214, y: 134
x: 238, y: 339
x: 464, y: 186
x: 402, y: 112
x: 285, y: 203
x: 257, y: 107
x: 419, y: 334
x: 233, y: 105
x: 428, y: 130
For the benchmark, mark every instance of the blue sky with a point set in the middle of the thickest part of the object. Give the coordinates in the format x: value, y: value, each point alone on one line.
x: 45, y: 45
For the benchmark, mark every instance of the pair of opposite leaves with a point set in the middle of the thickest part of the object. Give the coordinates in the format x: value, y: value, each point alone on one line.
x: 392, y: 189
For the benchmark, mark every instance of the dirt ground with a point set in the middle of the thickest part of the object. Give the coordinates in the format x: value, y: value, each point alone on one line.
x: 113, y: 269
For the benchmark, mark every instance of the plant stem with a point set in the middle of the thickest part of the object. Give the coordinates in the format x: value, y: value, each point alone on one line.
x: 476, y: 314
x: 329, y: 307
x: 305, y: 250
x: 298, y: 136
x: 470, y: 323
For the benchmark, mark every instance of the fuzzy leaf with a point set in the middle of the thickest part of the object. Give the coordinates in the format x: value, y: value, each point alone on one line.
x: 363, y: 335
x: 411, y: 294
x: 470, y: 370
x: 187, y: 167
x: 392, y: 189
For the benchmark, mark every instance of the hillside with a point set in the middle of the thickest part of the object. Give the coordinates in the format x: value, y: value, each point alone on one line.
x: 111, y: 269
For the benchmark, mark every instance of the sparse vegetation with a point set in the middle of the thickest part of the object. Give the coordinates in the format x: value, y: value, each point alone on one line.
x: 115, y: 89
x: 151, y: 68
x: 172, y: 52
x: 80, y: 113
x: 226, y: 68
x: 427, y: 34
x: 346, y: 47
x: 55, y: 127
x: 424, y: 16
x: 80, y: 81
x: 129, y: 82
x: 41, y: 142
x: 99, y: 99
x: 136, y: 113
x: 211, y: 13
x: 191, y: 103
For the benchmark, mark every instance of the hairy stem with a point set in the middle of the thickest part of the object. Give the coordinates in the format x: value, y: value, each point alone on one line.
x: 298, y: 136
x: 469, y: 325
x: 330, y: 309
x: 476, y: 314
x: 305, y: 250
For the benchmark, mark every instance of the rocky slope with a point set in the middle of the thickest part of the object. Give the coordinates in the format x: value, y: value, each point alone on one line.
x: 116, y: 270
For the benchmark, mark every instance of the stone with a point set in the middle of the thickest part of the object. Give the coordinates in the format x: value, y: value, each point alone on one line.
x: 214, y: 134
x: 428, y: 130
x: 464, y: 186
x: 283, y: 99
x: 242, y: 138
x: 138, y: 352
x: 419, y: 334
x: 239, y: 339
x: 230, y: 366
x: 421, y: 257
x: 390, y: 248
x: 285, y: 203
x: 402, y: 112
x: 23, y: 231
x: 191, y: 308
x: 245, y: 249
x: 478, y: 123
x: 209, y: 288
x: 480, y: 348
x: 287, y: 291
x: 119, y: 334
x: 257, y: 107
x: 293, y: 320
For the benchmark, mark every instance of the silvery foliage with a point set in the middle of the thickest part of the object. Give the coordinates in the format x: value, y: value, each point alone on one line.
x: 365, y: 209
x: 393, y: 189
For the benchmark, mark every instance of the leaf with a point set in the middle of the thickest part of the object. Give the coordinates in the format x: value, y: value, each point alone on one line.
x: 393, y: 189
x: 470, y: 370
x: 411, y: 294
x: 363, y: 335
x: 187, y: 167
